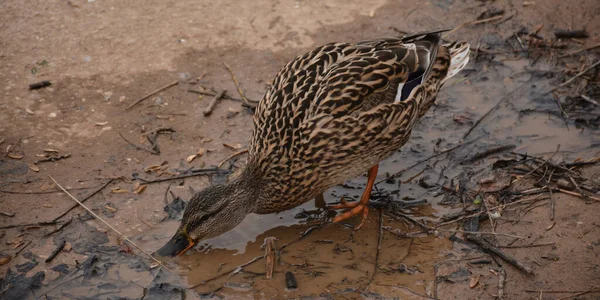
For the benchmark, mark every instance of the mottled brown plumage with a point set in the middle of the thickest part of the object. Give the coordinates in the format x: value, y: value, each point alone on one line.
x: 329, y: 115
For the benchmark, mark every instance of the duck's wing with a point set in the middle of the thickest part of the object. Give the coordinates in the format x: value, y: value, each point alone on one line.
x: 332, y: 81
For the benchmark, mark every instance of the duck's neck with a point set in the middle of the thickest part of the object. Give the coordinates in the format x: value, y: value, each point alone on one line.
x: 246, y: 192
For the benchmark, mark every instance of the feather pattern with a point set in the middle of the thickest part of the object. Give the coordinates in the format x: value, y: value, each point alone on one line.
x: 330, y: 114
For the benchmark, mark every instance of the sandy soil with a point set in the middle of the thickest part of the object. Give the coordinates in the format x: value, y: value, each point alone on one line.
x: 103, y: 55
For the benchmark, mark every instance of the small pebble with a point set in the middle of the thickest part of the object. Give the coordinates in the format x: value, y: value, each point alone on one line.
x: 290, y: 281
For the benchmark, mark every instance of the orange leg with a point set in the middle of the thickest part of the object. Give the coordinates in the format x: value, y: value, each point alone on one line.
x: 360, y: 206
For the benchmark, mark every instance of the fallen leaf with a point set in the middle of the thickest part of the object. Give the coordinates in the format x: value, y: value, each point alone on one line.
x: 41, y: 155
x: 119, y: 191
x: 101, y: 123
x: 50, y: 150
x: 190, y: 158
x: 550, y: 226
x: 4, y: 260
x: 67, y: 247
x: 33, y: 167
x: 140, y: 189
x: 15, y: 156
x: 110, y: 208
x: 47, y: 186
x: 124, y: 248
x: 371, y: 13
x: 233, y: 146
x: 474, y: 280
x: 29, y: 111
x: 201, y: 152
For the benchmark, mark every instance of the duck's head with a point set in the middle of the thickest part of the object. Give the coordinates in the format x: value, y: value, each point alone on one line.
x: 210, y: 213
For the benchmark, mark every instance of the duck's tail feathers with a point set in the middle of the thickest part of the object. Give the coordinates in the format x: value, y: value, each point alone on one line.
x: 459, y: 57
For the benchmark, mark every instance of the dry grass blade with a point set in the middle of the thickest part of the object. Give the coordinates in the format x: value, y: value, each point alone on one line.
x: 152, y: 93
x: 109, y: 226
x: 237, y: 85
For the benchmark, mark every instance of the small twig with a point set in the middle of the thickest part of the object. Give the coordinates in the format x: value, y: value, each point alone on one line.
x: 539, y: 166
x: 109, y: 226
x: 199, y: 172
x: 152, y: 93
x: 593, y: 290
x: 83, y: 200
x: 234, y: 270
x: 45, y: 223
x: 576, y: 76
x: 52, y: 159
x: 237, y: 85
x: 580, y: 50
x: 407, y: 289
x: 578, y: 188
x: 231, y: 157
x: 473, y: 22
x: 504, y: 98
x: 578, y: 195
x: 486, y: 246
x: 269, y: 256
x: 563, y: 113
x: 590, y: 100
x: 22, y: 248
x: 138, y: 147
x: 59, y: 248
x: 501, y: 281
x: 379, y: 237
x: 528, y: 246
x: 211, y: 105
x: 59, y: 228
x: 399, y: 173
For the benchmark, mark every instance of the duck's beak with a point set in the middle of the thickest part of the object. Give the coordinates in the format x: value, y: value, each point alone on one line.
x: 178, y: 244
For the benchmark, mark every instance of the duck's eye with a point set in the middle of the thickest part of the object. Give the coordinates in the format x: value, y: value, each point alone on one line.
x: 178, y: 240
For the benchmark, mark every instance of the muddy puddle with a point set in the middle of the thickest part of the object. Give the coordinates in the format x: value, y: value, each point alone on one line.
x: 335, y: 261
x: 505, y: 88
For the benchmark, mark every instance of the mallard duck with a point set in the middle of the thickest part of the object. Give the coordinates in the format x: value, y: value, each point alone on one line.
x: 329, y: 115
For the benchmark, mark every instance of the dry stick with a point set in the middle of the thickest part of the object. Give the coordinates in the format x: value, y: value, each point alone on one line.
x: 594, y: 290
x: 504, y: 98
x: 109, y: 226
x: 399, y: 173
x: 138, y: 147
x: 269, y: 256
x: 22, y: 248
x: 576, y: 76
x: 379, y: 236
x: 555, y: 291
x: 237, y: 85
x: 60, y: 247
x: 83, y: 200
x: 211, y: 105
x: 578, y: 188
x: 231, y: 157
x: 580, y: 50
x: 539, y: 166
x: 469, y: 23
x: 199, y: 172
x: 578, y: 195
x: 228, y: 272
x: 44, y: 223
x: 563, y: 113
x: 406, y: 288
x: 486, y: 246
x: 501, y: 281
x: 529, y: 246
x: 42, y: 192
x: 152, y: 93
x: 483, y: 212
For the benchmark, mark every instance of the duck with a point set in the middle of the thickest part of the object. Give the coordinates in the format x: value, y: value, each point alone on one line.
x: 329, y: 115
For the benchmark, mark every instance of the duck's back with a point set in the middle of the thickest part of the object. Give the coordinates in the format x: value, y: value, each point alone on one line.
x: 308, y: 125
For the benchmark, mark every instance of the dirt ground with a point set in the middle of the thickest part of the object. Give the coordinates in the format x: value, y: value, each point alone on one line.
x: 103, y: 55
